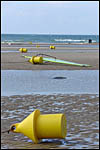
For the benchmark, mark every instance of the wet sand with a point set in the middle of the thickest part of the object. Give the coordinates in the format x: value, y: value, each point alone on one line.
x: 82, y: 113
x: 15, y: 61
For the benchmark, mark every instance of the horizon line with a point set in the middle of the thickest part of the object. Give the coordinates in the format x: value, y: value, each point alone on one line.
x: 48, y: 34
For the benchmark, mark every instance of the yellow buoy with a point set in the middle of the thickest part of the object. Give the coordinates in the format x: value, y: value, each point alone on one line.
x: 30, y: 42
x: 31, y: 60
x: 37, y: 126
x: 36, y: 60
x: 52, y: 47
x: 23, y: 50
x: 37, y: 46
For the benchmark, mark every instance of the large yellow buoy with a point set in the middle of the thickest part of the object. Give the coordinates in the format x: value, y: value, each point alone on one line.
x: 37, y: 126
x: 23, y: 50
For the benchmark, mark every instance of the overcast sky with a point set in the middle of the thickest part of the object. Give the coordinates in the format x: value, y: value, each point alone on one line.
x: 50, y: 17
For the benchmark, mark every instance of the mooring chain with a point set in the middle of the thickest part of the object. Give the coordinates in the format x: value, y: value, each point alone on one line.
x: 6, y: 131
x: 11, y: 129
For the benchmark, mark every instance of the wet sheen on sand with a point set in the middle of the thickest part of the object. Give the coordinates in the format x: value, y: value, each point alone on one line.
x: 15, y: 82
x: 82, y: 112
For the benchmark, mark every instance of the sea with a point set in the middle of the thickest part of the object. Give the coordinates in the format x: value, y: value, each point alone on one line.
x: 49, y: 38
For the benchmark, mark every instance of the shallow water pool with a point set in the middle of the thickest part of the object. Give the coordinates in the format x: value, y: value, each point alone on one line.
x: 15, y: 82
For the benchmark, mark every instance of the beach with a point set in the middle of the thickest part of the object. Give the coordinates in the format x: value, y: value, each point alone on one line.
x: 13, y: 60
x: 49, y: 75
x: 80, y: 107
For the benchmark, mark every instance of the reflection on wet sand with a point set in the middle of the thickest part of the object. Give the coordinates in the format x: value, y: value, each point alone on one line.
x: 82, y: 112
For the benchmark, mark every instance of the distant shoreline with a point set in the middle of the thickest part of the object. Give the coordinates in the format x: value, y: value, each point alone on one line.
x: 31, y: 43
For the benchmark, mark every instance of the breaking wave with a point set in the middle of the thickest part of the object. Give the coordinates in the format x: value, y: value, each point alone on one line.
x: 70, y: 40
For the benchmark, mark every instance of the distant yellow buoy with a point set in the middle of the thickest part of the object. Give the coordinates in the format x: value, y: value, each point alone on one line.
x: 52, y: 47
x: 30, y: 42
x: 37, y: 46
x: 23, y: 50
x: 37, y: 126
